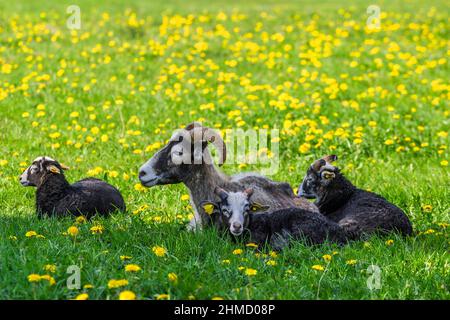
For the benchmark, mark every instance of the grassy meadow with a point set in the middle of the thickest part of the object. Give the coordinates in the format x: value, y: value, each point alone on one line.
x: 103, y: 99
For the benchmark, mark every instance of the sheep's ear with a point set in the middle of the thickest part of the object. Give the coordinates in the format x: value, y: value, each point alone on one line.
x: 64, y: 167
x: 328, y: 175
x: 209, y: 207
x: 53, y: 169
x: 330, y: 158
x: 256, y: 207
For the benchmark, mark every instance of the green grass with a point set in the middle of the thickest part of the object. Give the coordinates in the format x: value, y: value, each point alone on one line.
x: 411, y: 172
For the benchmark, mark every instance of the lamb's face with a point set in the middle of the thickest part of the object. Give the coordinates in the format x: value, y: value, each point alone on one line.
x: 235, y: 208
x: 319, y: 178
x: 40, y: 167
x: 171, y: 164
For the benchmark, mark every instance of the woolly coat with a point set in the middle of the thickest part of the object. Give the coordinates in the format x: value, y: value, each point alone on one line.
x: 88, y: 197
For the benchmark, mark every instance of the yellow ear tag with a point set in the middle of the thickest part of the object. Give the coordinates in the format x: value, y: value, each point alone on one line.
x: 209, y: 208
x: 54, y: 169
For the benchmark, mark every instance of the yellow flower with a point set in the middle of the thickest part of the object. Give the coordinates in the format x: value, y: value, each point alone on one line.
x: 123, y: 258
x: 117, y: 283
x: 271, y: 263
x: 326, y: 257
x: 98, y: 229
x: 427, y: 208
x: 30, y: 234
x: 226, y: 261
x: 34, y: 278
x: 80, y: 220
x: 184, y: 197
x: 159, y: 251
x: 237, y: 251
x: 50, y: 268
x: 49, y: 278
x: 389, y: 242
x: 389, y: 142
x: 163, y: 296
x: 83, y: 296
x: 250, y: 272
x: 318, y: 267
x: 88, y: 286
x: 444, y: 163
x: 132, y: 268
x: 113, y: 174
x: 351, y: 262
x: 73, y: 231
x: 127, y: 295
x: 172, y: 277
x: 3, y: 163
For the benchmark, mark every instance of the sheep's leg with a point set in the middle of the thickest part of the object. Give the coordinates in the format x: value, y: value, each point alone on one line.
x: 194, y: 225
x: 279, y: 241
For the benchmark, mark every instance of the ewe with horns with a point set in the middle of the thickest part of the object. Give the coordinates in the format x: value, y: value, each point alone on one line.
x: 186, y: 159
x: 56, y: 197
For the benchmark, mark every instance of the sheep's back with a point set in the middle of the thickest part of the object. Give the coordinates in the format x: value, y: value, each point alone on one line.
x: 277, y: 195
x: 367, y: 212
x: 297, y: 223
x: 93, y: 196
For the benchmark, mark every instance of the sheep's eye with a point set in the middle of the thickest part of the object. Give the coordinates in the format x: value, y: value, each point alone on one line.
x: 226, y: 212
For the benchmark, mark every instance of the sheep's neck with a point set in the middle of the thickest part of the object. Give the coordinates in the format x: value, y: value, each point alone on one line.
x: 334, y: 198
x: 202, y: 181
x: 53, y: 184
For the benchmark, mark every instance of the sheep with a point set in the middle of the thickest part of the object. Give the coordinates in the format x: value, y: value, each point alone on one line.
x: 186, y: 159
x: 359, y: 212
x: 236, y: 214
x: 56, y: 197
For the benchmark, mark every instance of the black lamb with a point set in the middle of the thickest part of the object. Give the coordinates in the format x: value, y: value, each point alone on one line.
x: 236, y: 213
x: 56, y: 197
x: 357, y: 211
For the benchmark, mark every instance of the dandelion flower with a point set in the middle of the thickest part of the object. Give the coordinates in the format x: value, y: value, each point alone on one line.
x: 159, y: 251
x: 112, y: 284
x: 83, y: 296
x: 172, y: 277
x: 127, y: 295
x: 34, y: 278
x: 250, y: 272
x: 73, y: 231
x: 237, y: 251
x: 30, y: 234
x: 318, y: 267
x: 132, y: 268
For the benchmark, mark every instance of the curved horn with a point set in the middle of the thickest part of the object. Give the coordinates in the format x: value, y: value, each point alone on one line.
x: 248, y: 192
x: 223, y: 195
x: 210, y: 136
x: 193, y: 125
x: 330, y: 158
x: 318, y: 164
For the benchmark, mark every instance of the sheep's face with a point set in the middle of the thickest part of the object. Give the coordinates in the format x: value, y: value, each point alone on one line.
x: 319, y: 177
x: 187, y: 147
x: 234, y: 209
x: 40, y: 167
